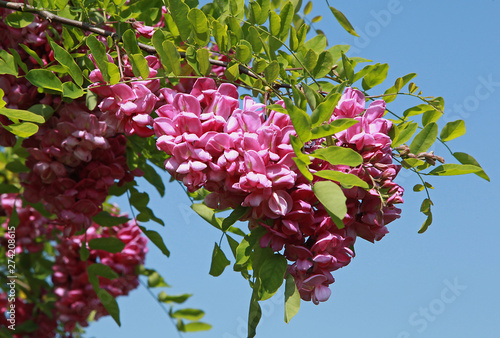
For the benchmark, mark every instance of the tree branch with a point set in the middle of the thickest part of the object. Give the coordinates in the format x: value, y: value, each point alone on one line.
x: 51, y: 17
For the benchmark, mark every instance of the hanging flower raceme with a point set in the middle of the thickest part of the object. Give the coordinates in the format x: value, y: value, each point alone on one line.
x: 74, y: 161
x: 245, y: 158
x: 126, y: 107
x: 76, y: 298
x: 26, y: 314
x: 32, y: 228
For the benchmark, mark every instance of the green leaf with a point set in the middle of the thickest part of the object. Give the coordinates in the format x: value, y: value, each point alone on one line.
x: 292, y: 298
x: 346, y: 180
x: 272, y: 72
x: 32, y: 53
x: 310, y: 60
x: 98, y: 269
x: 427, y: 223
x: 156, y: 239
x: 399, y: 83
x: 219, y: 32
x: 156, y: 281
x: 304, y: 170
x: 110, y: 304
x: 65, y: 59
x: 19, y: 19
x: 300, y: 120
x: 84, y: 253
x: 324, y: 64
x: 24, y: 115
x: 467, y: 159
x: 307, y: 10
x: 154, y: 178
x: 312, y: 96
x: 431, y: 116
x: 286, y: 16
x: 45, y: 79
x: 198, y: 20
x: 339, y: 156
x: 297, y: 148
x: 71, y: 90
x: 207, y: 214
x: 293, y: 40
x: 254, y: 315
x: 453, y: 130
x: 333, y: 199
x: 196, y: 326
x: 418, y: 187
x: 343, y: 21
x: 18, y: 61
x: 232, y: 73
x: 179, y: 299
x: 271, y: 274
x: 324, y: 110
x: 317, y: 18
x: 44, y: 110
x: 139, y: 65
x: 233, y: 244
x: 202, y: 56
x: 424, y: 139
x: 14, y: 218
x: 243, y: 53
x: 16, y: 166
x: 170, y: 51
x: 179, y: 11
x: 98, y: 51
x: 104, y: 218
x: 452, y: 169
x: 348, y: 68
x: 235, y: 215
x: 332, y: 128
x: 189, y: 314
x: 109, y: 244
x: 219, y: 261
x: 23, y: 129
x: 417, y: 110
x: 405, y: 134
x: 376, y: 75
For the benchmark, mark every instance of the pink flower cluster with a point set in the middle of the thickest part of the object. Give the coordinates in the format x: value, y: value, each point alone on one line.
x: 24, y: 313
x: 126, y: 107
x: 74, y: 161
x: 76, y: 297
x: 244, y: 157
x: 19, y: 93
x: 33, y: 229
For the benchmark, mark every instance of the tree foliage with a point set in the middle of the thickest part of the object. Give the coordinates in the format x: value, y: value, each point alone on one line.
x: 244, y: 103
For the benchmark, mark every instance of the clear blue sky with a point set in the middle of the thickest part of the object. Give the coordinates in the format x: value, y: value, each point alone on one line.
x: 443, y: 283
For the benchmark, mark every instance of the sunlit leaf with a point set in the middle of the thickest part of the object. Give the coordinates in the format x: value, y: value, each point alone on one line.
x: 333, y: 199
x: 424, y: 139
x: 339, y: 156
x: 452, y: 130
x: 219, y: 261
x: 346, y: 180
x: 343, y: 21
x: 109, y: 244
x: 468, y: 159
x: 45, y: 79
x: 292, y: 298
x: 451, y: 169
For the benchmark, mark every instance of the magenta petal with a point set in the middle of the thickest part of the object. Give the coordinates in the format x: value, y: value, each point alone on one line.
x: 280, y: 203
x: 123, y: 92
x: 321, y: 293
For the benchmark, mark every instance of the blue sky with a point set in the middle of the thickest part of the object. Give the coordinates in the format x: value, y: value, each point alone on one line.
x: 443, y: 283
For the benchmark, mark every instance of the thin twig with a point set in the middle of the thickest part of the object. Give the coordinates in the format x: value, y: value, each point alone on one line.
x: 51, y: 17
